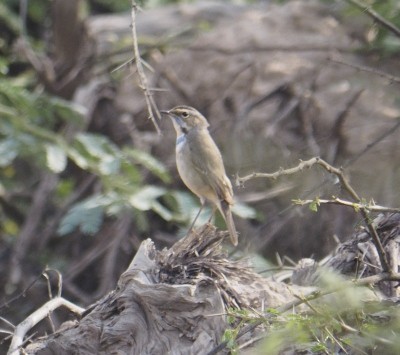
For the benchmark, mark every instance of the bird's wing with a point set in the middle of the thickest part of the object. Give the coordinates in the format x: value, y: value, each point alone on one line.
x: 207, y: 160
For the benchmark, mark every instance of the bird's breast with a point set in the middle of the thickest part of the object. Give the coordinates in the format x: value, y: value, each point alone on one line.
x: 189, y: 173
x: 180, y: 142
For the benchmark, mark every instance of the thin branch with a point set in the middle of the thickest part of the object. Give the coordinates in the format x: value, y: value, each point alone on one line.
x: 28, y: 235
x: 40, y: 314
x: 340, y: 147
x: 151, y: 105
x: 391, y: 78
x: 9, y: 324
x: 355, y: 205
x: 359, y: 331
x: 384, y: 135
x: 273, y: 48
x: 281, y: 172
x: 282, y: 309
x: 168, y: 74
x: 377, y: 17
x: 344, y: 183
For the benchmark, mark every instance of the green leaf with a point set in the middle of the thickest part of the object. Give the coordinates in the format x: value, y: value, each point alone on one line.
x: 186, y: 207
x: 229, y: 337
x: 56, y: 158
x: 78, y: 158
x: 150, y: 163
x: 9, y: 19
x: 64, y: 188
x: 162, y: 211
x: 101, y: 151
x: 86, y: 215
x: 68, y: 111
x: 313, y: 206
x: 8, y: 151
x: 356, y: 207
x: 144, y: 199
x: 96, y: 145
x: 131, y: 173
x: 109, y: 165
x: 184, y: 203
x: 244, y: 211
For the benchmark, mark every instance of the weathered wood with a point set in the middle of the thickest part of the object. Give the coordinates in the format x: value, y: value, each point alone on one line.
x: 171, y: 301
x: 174, y: 301
x: 358, y: 258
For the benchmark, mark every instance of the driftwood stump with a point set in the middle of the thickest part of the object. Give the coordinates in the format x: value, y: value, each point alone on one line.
x: 171, y: 301
x: 175, y: 301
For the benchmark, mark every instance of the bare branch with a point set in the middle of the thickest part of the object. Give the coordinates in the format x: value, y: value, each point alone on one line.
x: 340, y: 146
x: 391, y: 78
x: 367, y: 281
x: 384, y: 135
x: 281, y: 172
x: 344, y: 183
x: 377, y: 17
x: 273, y: 48
x: 151, y: 105
x: 356, y: 206
x: 40, y: 314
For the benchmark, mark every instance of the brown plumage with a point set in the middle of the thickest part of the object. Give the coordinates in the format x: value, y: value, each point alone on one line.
x: 200, y: 163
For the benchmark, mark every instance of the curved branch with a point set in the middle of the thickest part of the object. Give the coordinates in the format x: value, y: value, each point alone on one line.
x: 27, y: 324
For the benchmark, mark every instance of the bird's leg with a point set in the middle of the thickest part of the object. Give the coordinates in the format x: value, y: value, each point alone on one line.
x: 197, y: 216
x: 212, y: 213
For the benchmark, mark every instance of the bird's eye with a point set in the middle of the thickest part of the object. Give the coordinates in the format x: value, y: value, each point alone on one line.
x: 185, y: 114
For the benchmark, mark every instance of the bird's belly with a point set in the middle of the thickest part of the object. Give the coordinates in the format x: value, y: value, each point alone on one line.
x: 191, y: 177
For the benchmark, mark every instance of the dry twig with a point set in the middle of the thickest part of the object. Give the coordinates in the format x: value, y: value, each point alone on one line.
x: 151, y: 104
x: 377, y: 17
x: 344, y: 183
x: 306, y: 300
x: 355, y: 205
x: 40, y: 314
x: 364, y: 68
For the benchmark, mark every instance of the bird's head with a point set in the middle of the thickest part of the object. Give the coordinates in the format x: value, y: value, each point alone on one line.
x: 186, y: 118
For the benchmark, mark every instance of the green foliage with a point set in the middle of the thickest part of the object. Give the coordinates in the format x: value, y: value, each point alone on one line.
x: 29, y: 134
x: 341, y: 317
x: 244, y: 211
x: 378, y: 36
x: 314, y: 205
x: 86, y: 215
x: 56, y: 159
x: 148, y: 161
x: 106, y: 6
x: 28, y: 126
x: 9, y: 19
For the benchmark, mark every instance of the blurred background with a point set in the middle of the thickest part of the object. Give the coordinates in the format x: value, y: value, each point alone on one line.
x: 85, y: 177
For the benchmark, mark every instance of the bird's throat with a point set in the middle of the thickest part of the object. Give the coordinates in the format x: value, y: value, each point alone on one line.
x: 180, y: 140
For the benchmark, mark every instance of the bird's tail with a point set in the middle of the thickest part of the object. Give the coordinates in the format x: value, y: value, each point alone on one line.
x: 225, y: 209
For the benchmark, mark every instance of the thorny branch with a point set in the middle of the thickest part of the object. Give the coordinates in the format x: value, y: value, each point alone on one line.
x: 313, y: 295
x: 355, y: 205
x: 151, y: 105
x: 364, y: 211
x: 377, y: 17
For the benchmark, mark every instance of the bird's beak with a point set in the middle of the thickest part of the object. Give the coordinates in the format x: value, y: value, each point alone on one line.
x: 174, y: 117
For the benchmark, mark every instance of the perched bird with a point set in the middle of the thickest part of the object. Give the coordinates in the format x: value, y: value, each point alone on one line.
x: 200, y: 164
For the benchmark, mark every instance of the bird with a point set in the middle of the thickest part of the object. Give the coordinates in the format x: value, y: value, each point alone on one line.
x: 200, y: 165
